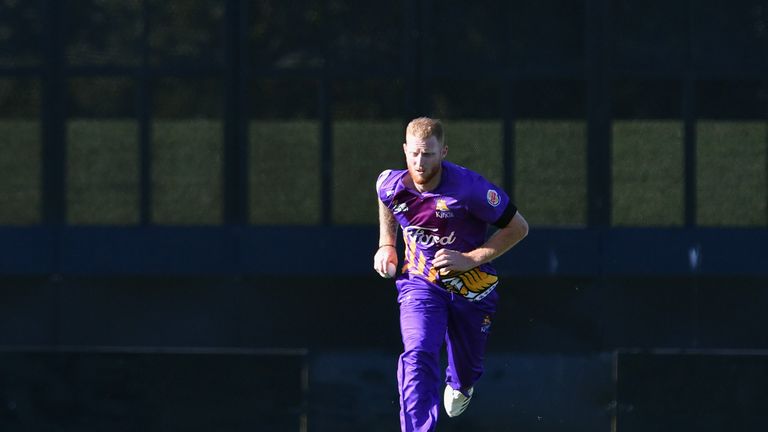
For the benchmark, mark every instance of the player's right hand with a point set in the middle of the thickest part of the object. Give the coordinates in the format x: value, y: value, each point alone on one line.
x: 384, y: 255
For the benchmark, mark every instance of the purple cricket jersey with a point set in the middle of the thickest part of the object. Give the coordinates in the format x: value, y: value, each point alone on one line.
x: 455, y: 215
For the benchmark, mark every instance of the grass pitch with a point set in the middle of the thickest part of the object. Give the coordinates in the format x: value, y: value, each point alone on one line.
x: 285, y: 169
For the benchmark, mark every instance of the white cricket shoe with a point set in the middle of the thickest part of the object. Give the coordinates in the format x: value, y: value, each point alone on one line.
x: 455, y: 402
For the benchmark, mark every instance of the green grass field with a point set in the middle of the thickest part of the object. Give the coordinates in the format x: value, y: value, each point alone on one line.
x: 648, y: 179
x: 284, y: 178
x: 20, y: 178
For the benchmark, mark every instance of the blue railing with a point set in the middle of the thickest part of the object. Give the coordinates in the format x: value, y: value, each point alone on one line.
x: 348, y: 250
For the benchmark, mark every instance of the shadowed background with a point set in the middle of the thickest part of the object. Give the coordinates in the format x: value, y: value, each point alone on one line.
x: 188, y: 185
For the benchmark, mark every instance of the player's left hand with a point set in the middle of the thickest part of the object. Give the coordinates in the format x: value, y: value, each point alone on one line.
x: 448, y: 260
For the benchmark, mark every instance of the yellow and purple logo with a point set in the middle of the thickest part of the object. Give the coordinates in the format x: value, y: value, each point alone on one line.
x: 441, y: 209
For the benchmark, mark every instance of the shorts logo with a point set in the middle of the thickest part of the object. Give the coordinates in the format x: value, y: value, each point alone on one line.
x: 493, y: 198
x: 485, y: 327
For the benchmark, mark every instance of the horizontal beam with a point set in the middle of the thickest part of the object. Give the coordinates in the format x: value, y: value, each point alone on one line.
x: 348, y: 251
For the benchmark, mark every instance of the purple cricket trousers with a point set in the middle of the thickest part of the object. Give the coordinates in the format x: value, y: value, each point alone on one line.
x: 430, y: 315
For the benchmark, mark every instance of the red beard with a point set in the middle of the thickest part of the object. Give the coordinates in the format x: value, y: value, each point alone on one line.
x: 423, y: 177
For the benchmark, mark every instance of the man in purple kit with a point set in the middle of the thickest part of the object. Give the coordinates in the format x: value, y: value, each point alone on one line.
x: 447, y: 287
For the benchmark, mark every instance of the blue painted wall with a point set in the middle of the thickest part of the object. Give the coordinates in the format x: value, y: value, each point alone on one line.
x: 569, y: 299
x: 342, y: 251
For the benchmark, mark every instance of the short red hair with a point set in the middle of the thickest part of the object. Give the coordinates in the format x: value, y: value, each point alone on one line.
x: 425, y: 127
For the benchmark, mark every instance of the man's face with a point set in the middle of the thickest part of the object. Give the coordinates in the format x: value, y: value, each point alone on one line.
x: 424, y: 158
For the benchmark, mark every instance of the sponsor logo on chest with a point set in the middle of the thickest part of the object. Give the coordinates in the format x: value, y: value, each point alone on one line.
x: 427, y: 237
x: 441, y: 209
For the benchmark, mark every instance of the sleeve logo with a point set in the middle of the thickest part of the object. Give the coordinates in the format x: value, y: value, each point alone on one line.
x: 493, y: 198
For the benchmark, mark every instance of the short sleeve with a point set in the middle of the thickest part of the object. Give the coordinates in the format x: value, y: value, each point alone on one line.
x: 380, y: 186
x: 490, y: 203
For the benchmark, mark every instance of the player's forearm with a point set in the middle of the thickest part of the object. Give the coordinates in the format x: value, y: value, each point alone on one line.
x: 387, y: 226
x: 501, y: 241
